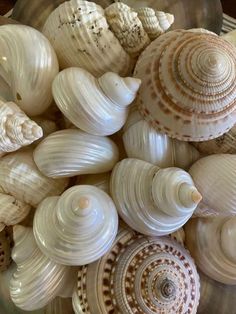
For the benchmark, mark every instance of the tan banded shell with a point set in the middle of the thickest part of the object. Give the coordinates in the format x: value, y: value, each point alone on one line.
x: 6, y: 243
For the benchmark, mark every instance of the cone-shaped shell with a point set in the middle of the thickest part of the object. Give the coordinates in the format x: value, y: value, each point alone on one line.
x: 97, y: 106
x: 100, y: 180
x: 20, y: 178
x: 151, y: 200
x: 78, y: 227
x: 211, y: 242
x: 28, y: 72
x: 37, y: 280
x: 139, y: 275
x: 215, y: 178
x: 6, y: 243
x: 188, y: 86
x: 71, y: 152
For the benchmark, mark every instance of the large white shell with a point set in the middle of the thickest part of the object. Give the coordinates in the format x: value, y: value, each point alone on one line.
x: 6, y: 243
x: 78, y: 227
x: 143, y: 142
x: 188, y: 85
x: 151, y: 200
x: 211, y: 242
x: 71, y: 152
x: 37, y: 280
x: 97, y: 106
x: 215, y: 178
x: 27, y: 70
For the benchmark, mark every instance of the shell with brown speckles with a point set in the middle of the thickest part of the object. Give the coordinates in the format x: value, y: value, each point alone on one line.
x: 6, y: 243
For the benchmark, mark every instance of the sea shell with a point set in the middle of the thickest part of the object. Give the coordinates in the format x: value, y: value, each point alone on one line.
x: 215, y: 178
x: 188, y: 85
x: 71, y: 152
x: 230, y: 37
x: 20, y: 178
x: 6, y: 243
x: 97, y: 106
x: 151, y: 200
x: 100, y: 180
x: 143, y: 142
x: 211, y: 242
x: 139, y: 275
x: 78, y: 227
x: 179, y: 236
x: 37, y: 280
x: 27, y: 71
x: 17, y: 130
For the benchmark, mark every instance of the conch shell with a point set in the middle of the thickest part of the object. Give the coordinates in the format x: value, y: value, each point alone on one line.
x: 37, y: 280
x: 100, y: 180
x: 78, y: 227
x: 27, y: 71
x: 97, y: 106
x: 139, y: 275
x: 6, y: 243
x: 143, y: 142
x: 151, y: 200
x: 211, y: 242
x: 71, y: 152
x: 188, y: 85
x: 17, y: 130
x: 84, y: 35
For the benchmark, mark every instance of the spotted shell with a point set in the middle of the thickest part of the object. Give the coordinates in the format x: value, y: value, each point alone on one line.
x: 6, y: 243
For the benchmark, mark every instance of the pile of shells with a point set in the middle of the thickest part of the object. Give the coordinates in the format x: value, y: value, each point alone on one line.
x: 106, y: 118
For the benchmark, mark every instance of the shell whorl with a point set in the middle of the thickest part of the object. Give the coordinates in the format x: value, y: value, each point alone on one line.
x: 82, y: 223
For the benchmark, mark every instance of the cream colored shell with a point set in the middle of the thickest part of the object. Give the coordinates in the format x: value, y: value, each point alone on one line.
x: 71, y: 152
x: 97, y: 106
x: 188, y: 86
x: 27, y: 71
x: 151, y: 200
x: 6, y: 243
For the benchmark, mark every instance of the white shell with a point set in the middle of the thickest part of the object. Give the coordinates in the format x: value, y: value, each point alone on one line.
x: 97, y: 106
x: 78, y: 227
x: 37, y: 280
x: 28, y: 72
x: 100, y: 180
x: 143, y: 142
x: 211, y: 242
x: 17, y: 130
x: 71, y: 152
x: 151, y: 200
x: 215, y: 178
x: 230, y: 37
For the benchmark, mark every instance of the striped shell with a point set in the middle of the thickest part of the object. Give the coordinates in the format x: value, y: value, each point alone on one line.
x: 188, y: 86
x: 6, y: 243
x: 139, y: 275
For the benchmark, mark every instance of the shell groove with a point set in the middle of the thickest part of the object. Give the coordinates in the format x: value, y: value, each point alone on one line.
x: 6, y: 243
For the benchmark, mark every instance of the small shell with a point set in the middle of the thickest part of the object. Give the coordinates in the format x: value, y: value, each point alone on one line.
x: 211, y: 242
x: 78, y: 227
x: 139, y: 275
x: 17, y: 129
x: 6, y: 243
x: 37, y: 280
x: 230, y: 37
x: 71, y: 152
x: 100, y: 112
x: 29, y: 72
x: 151, y: 200
x: 100, y: 180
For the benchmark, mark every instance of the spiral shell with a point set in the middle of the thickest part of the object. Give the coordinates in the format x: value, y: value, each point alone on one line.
x: 143, y: 142
x: 71, y: 152
x: 151, y: 200
x: 37, y: 280
x: 211, y: 242
x: 97, y: 106
x: 6, y: 243
x: 215, y: 178
x: 188, y: 86
x: 28, y: 72
x: 100, y: 180
x: 139, y: 275
x: 78, y: 227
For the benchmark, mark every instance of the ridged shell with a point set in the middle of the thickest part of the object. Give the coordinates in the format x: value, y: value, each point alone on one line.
x: 20, y: 178
x: 151, y: 200
x: 188, y: 85
x: 143, y: 142
x: 97, y: 106
x: 78, y: 227
x: 100, y: 180
x: 230, y: 37
x: 17, y: 130
x: 211, y: 242
x: 215, y: 178
x: 71, y: 152
x: 29, y: 72
x: 139, y: 275
x: 6, y: 243
x: 37, y: 280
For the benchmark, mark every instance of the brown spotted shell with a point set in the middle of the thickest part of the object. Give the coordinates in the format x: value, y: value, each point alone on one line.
x: 188, y: 86
x: 6, y: 243
x: 139, y: 275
